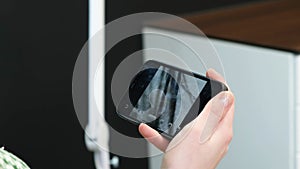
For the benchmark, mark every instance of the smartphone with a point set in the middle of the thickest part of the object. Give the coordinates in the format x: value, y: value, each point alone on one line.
x: 166, y: 97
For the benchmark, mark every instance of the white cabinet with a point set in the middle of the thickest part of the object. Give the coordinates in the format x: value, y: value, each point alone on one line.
x: 266, y: 83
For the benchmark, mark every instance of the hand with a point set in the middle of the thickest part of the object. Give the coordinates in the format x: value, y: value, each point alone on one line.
x: 203, y: 142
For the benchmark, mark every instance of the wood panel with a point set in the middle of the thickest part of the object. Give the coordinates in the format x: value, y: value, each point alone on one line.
x: 273, y: 23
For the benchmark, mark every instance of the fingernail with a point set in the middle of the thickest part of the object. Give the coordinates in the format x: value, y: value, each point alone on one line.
x: 219, y: 106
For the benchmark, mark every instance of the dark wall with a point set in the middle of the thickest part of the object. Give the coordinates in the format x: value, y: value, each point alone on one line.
x: 116, y: 9
x: 39, y: 43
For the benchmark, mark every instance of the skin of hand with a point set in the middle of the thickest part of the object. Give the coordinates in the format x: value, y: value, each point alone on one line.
x: 187, y: 149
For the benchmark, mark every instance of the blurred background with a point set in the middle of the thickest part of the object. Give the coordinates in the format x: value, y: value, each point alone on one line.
x: 39, y: 44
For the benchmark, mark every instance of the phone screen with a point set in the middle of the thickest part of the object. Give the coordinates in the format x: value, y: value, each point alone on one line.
x: 165, y: 98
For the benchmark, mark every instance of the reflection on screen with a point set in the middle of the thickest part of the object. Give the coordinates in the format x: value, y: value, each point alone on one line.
x: 167, y: 99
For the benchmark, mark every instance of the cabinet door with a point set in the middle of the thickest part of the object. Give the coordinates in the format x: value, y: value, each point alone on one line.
x: 264, y: 127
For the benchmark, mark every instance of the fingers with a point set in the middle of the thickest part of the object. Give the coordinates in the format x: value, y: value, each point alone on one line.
x: 153, y: 137
x: 224, y: 131
x: 216, y: 110
x: 211, y: 73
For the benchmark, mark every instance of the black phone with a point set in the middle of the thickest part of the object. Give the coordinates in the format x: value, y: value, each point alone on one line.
x: 166, y: 97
